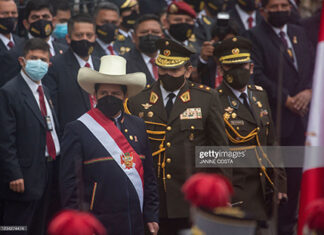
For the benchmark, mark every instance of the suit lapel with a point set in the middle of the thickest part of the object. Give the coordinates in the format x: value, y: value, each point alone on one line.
x: 179, y: 106
x: 30, y: 100
x: 254, y: 106
x: 142, y: 65
x: 294, y: 41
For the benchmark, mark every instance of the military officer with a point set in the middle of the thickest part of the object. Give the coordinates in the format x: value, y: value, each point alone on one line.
x: 248, y: 122
x: 179, y: 116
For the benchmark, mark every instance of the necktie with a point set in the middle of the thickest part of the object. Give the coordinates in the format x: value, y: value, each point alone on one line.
x: 283, y: 39
x: 10, y: 44
x: 154, y: 68
x: 169, y: 104
x: 111, y: 50
x: 245, y: 102
x: 250, y: 22
x: 92, y: 98
x: 49, y: 139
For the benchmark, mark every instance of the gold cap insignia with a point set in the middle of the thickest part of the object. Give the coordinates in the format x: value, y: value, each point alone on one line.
x: 173, y: 9
x: 167, y: 52
x: 235, y: 51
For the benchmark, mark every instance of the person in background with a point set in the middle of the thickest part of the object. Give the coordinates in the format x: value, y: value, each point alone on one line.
x: 8, y: 23
x: 117, y: 166
x: 69, y: 99
x: 61, y: 17
x: 147, y: 31
x: 107, y: 20
x: 29, y: 144
x: 38, y: 21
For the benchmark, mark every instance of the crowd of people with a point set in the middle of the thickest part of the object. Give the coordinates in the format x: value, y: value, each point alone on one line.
x: 101, y: 112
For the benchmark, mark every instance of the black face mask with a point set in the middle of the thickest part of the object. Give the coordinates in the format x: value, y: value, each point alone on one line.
x: 83, y: 47
x: 110, y: 105
x: 147, y: 43
x: 41, y: 28
x: 237, y: 77
x: 278, y: 18
x: 247, y: 5
x: 171, y: 83
x: 129, y: 21
x: 7, y: 25
x: 106, y: 32
x: 214, y: 6
x: 182, y: 31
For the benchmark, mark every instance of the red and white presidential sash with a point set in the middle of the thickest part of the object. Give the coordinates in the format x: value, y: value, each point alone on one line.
x: 117, y: 146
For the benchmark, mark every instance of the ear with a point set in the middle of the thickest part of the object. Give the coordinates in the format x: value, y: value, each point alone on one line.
x: 21, y: 61
x: 251, y: 68
x: 166, y: 23
x: 134, y: 37
x: 68, y: 38
x: 263, y: 13
x: 188, y: 72
x: 26, y: 24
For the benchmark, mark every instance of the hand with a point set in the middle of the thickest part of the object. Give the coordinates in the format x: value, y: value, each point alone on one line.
x: 282, y: 196
x: 207, y: 50
x: 302, y: 100
x: 290, y: 104
x: 17, y: 185
x: 153, y: 227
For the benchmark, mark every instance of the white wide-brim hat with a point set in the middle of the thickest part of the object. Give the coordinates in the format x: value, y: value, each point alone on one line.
x: 112, y: 71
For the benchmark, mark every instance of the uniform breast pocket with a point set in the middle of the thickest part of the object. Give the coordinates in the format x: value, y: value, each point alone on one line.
x: 193, y: 127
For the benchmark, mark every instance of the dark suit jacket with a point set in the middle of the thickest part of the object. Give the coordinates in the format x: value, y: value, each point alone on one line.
x: 22, y: 141
x: 136, y: 63
x: 70, y: 100
x: 17, y: 40
x: 98, y: 51
x: 235, y: 16
x: 115, y: 201
x: 271, y: 61
x: 207, y: 72
x: 10, y: 67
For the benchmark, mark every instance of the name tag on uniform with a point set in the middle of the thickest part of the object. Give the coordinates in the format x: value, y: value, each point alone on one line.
x: 49, y: 123
x: 237, y: 122
x: 191, y: 113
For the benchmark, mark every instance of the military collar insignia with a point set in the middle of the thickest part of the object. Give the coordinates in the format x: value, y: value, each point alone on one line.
x: 185, y: 97
x: 153, y: 97
x: 233, y: 102
x: 146, y: 106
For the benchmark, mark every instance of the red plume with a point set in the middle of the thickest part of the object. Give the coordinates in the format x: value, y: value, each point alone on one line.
x: 208, y: 190
x: 315, y: 215
x: 72, y: 222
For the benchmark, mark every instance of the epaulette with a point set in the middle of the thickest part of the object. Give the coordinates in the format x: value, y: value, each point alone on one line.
x: 147, y: 87
x: 200, y: 87
x: 255, y: 87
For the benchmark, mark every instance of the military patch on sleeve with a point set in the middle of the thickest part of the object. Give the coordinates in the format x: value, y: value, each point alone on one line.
x: 185, y: 97
x: 153, y: 97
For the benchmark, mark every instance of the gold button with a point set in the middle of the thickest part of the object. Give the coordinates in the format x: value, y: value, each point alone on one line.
x: 131, y: 137
x: 258, y: 128
x: 168, y: 160
x: 261, y: 174
x: 126, y: 130
x: 169, y: 128
x: 220, y: 91
x: 192, y: 127
x: 237, y: 128
x: 168, y: 144
x: 168, y: 176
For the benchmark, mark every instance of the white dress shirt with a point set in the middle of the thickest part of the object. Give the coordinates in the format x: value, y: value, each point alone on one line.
x: 290, y: 45
x: 245, y: 16
x: 104, y: 46
x: 82, y: 62
x: 238, y: 93
x: 148, y: 64
x: 165, y: 94
x: 33, y: 87
x: 5, y: 40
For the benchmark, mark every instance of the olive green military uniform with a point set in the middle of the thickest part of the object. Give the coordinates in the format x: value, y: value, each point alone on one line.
x: 245, y: 128
x: 195, y: 120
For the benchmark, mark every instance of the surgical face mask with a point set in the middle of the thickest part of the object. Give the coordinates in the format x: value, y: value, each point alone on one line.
x: 147, y: 43
x: 60, y: 30
x: 110, y: 105
x: 182, y: 31
x: 278, y: 18
x: 171, y: 83
x: 36, y: 69
x: 7, y: 25
x: 83, y: 48
x: 41, y: 28
x: 237, y: 76
x: 106, y: 32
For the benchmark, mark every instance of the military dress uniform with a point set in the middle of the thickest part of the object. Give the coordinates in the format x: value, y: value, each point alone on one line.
x: 194, y: 120
x: 249, y: 126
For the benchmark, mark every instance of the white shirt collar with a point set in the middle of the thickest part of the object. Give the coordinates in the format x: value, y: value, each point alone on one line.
x: 103, y: 44
x: 5, y: 40
x: 165, y: 94
x: 146, y: 58
x: 82, y: 62
x: 245, y: 16
x: 126, y: 34
x: 32, y: 85
x: 238, y: 93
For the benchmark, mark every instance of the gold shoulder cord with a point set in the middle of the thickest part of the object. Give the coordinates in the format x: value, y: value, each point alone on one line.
x: 161, y: 149
x: 245, y: 139
x: 126, y: 110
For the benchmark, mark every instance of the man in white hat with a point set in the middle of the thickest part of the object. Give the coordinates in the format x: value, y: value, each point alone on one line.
x: 109, y: 151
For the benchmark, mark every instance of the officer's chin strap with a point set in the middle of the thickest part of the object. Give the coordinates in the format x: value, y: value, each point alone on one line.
x: 244, y: 139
